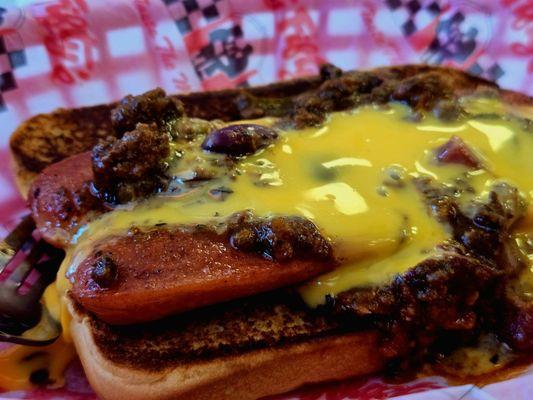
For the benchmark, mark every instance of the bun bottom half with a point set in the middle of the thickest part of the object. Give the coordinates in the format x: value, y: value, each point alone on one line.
x: 245, y: 376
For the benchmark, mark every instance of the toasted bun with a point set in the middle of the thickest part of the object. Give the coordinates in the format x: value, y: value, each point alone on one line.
x: 23, y: 178
x: 248, y: 375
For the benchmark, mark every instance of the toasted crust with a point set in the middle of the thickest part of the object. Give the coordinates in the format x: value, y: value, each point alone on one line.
x: 23, y: 177
x: 248, y: 375
x: 47, y: 138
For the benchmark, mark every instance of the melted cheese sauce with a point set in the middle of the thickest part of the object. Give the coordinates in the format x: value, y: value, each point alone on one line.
x: 18, y: 363
x: 337, y: 175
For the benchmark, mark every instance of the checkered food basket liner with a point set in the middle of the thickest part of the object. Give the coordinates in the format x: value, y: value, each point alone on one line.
x: 70, y: 53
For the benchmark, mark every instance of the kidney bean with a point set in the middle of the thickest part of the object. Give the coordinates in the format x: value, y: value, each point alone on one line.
x: 239, y: 140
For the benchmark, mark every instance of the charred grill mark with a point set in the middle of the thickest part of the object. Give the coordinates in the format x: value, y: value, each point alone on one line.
x: 104, y: 270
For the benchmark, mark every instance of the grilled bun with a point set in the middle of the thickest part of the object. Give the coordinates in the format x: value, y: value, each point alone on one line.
x: 243, y: 375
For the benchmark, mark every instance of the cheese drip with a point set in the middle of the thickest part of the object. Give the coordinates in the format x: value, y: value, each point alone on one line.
x: 339, y: 176
x: 19, y: 363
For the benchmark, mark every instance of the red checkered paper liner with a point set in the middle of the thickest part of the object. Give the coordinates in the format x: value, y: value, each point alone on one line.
x: 71, y: 53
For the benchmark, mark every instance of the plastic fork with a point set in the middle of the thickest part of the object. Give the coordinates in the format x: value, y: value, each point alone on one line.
x: 22, y: 287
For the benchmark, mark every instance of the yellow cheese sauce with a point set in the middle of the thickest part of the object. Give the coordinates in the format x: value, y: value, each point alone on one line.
x: 18, y: 363
x: 486, y: 356
x: 339, y: 175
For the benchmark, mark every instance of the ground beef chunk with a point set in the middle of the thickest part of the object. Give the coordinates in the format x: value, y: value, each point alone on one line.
x: 440, y: 294
x: 459, y: 292
x: 516, y: 325
x: 448, y: 110
x: 190, y: 128
x: 280, y: 238
x: 504, y: 207
x: 329, y: 71
x: 481, y: 227
x: 132, y: 166
x: 339, y: 91
x: 422, y: 94
x: 151, y: 107
x: 419, y: 87
x: 311, y: 108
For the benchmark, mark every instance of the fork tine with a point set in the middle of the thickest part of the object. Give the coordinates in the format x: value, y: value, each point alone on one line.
x: 20, y: 311
x: 20, y: 234
x: 25, y: 267
x: 47, y: 270
x: 14, y: 241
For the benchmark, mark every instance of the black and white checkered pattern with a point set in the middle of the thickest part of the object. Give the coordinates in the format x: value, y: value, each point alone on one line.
x: 412, y: 12
x: 12, y: 56
x: 186, y: 13
x: 489, y: 70
x: 225, y: 51
x: 455, y: 40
